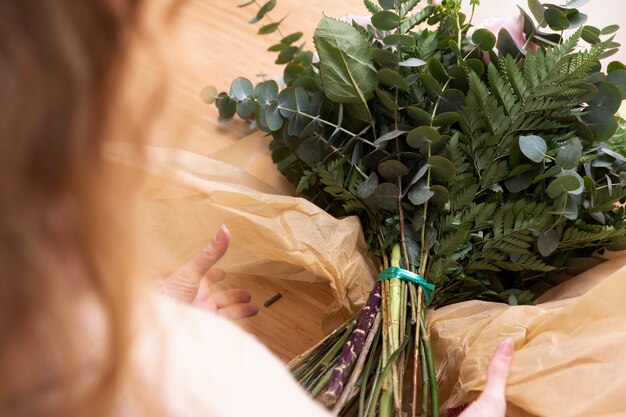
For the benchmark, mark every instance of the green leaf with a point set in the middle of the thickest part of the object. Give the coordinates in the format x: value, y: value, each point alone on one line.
x: 601, y: 122
x: 391, y: 78
x: 512, y: 300
x: 387, y: 4
x: 247, y: 108
x: 385, y: 20
x: 420, y: 193
x: 311, y: 150
x: 506, y: 45
x: 557, y: 20
x: 575, y: 266
x: 568, y: 156
x: 419, y: 115
x: 403, y: 40
x: 441, y: 169
x: 432, y: 87
x: 420, y: 135
x: 208, y: 94
x: 227, y: 107
x: 392, y: 168
x: 533, y: 147
x: 538, y: 11
x: 273, y: 119
x: 609, y: 96
x: 437, y: 70
x: 412, y: 62
x: 367, y: 187
x: 289, y: 39
x: 384, y: 57
x: 347, y: 73
x: 441, y: 196
x: 618, y: 77
x: 269, y: 28
x: 386, y: 100
x: 610, y: 29
x: 266, y: 92
x: 568, y: 183
x: 388, y: 136
x: 591, y: 34
x: 384, y: 197
x: 267, y: 7
x: 241, y: 88
x: 484, y: 39
x: 547, y: 243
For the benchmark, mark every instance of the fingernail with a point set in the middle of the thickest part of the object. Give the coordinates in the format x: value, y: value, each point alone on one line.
x: 507, y: 346
x: 222, y: 233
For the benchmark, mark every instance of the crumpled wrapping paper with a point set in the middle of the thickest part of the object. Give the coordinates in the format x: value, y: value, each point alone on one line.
x: 569, y: 358
x: 186, y: 197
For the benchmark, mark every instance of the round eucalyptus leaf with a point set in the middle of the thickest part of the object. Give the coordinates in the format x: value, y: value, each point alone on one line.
x: 311, y: 150
x: 266, y: 92
x: 574, y: 4
x: 241, y: 88
x: 367, y: 187
x: 441, y: 169
x: 385, y: 20
x: 533, y: 147
x: 208, y: 94
x: 601, y: 122
x: 538, y: 10
x: 484, y: 39
x: 557, y: 20
x: 609, y: 97
x: 287, y: 102
x: 614, y: 66
x: 506, y: 45
x: 273, y: 119
x: 226, y: 106
x: 441, y: 196
x: 576, y: 19
x: 446, y: 119
x: 392, y: 168
x: 420, y: 193
x: 247, y: 108
x: 565, y: 184
x: 618, y: 78
x: 452, y: 100
x: 420, y: 135
x: 391, y: 78
x: 384, y: 197
x: 386, y: 99
x: 548, y: 243
x: 568, y: 156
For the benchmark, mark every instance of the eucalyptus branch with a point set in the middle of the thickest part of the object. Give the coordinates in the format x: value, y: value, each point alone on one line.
x: 267, y: 15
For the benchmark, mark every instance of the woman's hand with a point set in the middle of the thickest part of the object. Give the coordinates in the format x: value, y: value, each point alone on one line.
x: 191, y: 283
x: 492, y: 402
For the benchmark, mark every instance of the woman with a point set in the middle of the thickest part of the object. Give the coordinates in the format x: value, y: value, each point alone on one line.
x: 80, y: 335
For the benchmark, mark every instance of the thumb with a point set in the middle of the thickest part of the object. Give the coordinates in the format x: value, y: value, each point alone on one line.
x: 200, y: 264
x: 184, y: 283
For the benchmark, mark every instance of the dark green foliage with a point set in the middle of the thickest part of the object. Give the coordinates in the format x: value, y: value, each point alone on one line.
x: 501, y: 174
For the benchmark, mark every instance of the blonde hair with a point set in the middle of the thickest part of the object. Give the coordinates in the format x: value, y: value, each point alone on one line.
x: 61, y: 65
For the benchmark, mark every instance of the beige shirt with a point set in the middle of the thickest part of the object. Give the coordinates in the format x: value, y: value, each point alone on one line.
x: 194, y: 363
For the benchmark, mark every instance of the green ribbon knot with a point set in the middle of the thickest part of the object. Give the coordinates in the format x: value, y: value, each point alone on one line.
x: 403, y: 274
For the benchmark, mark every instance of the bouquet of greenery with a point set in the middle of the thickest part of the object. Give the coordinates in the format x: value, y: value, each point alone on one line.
x: 479, y: 164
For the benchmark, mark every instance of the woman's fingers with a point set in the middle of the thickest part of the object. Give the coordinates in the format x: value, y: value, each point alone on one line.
x: 492, y: 402
x: 184, y: 283
x: 239, y: 311
x: 200, y: 264
x: 227, y: 298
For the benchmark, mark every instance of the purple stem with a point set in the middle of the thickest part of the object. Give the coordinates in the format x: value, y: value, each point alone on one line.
x: 353, y: 347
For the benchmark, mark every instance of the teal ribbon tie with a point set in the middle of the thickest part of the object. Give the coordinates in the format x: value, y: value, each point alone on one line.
x: 403, y: 274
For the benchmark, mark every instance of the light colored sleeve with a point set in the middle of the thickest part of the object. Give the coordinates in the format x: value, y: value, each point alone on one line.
x: 199, y: 364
